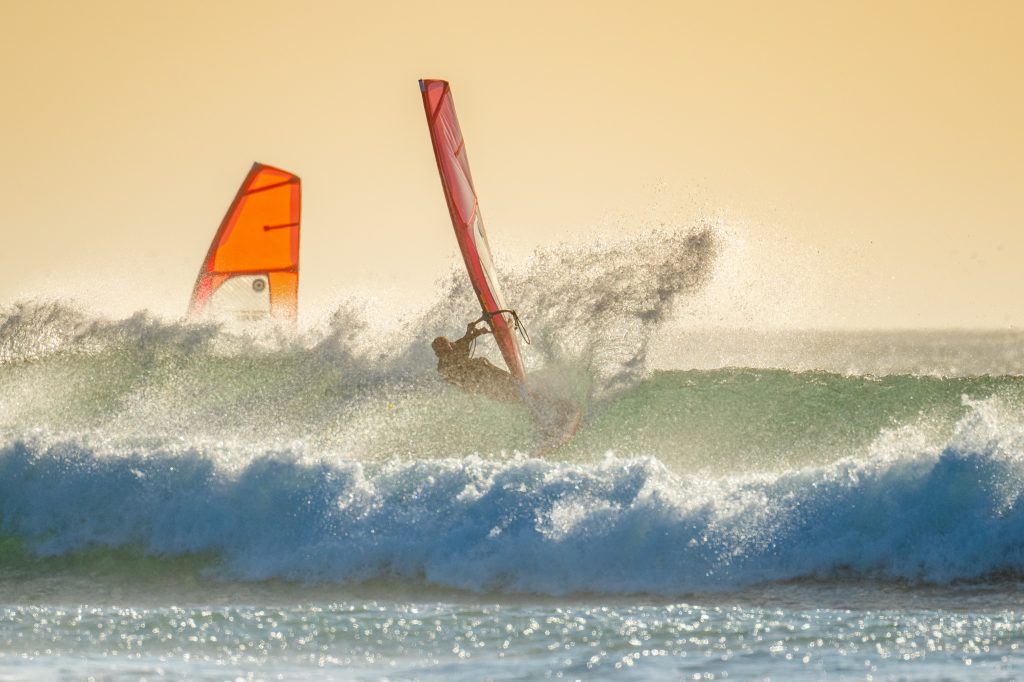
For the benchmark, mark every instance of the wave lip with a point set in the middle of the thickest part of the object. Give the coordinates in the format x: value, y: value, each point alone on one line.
x: 620, y: 526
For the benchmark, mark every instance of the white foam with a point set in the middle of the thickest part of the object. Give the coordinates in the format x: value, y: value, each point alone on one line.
x: 527, y: 525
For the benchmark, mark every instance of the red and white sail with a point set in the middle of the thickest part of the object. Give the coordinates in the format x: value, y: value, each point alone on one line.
x: 453, y: 165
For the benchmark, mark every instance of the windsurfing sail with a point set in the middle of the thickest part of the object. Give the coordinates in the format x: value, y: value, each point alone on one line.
x: 251, y: 271
x: 453, y: 165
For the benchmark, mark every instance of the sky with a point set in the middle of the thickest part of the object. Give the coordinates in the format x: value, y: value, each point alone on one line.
x: 864, y: 161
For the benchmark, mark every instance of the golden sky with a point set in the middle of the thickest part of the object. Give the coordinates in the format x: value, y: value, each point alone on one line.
x: 865, y: 159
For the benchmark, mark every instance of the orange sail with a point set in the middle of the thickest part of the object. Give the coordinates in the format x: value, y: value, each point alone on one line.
x: 252, y: 269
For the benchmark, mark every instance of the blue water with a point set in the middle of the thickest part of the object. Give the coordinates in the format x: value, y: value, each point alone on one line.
x: 522, y: 525
x: 190, y: 502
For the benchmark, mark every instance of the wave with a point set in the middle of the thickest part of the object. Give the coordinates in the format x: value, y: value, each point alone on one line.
x: 316, y: 400
x: 908, y: 511
x: 337, y: 456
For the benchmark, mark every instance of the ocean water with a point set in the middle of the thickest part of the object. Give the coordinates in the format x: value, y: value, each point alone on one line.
x: 191, y: 501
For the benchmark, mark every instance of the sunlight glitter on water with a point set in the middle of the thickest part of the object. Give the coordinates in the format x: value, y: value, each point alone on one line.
x: 438, y: 641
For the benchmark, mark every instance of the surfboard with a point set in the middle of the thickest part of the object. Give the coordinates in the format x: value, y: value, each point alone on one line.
x: 464, y: 208
x: 251, y: 271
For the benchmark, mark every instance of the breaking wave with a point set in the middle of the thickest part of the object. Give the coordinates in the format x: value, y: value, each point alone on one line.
x: 906, y: 511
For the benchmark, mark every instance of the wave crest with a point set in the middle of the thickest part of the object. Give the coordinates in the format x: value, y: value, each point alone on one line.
x: 532, y: 526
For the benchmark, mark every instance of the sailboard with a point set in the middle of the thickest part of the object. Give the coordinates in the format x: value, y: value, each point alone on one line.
x: 251, y: 271
x: 464, y: 208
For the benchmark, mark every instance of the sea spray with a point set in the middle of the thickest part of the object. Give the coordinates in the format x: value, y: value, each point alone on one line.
x: 593, y: 306
x: 343, y: 383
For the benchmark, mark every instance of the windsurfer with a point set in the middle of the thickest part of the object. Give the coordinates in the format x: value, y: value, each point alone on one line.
x: 473, y: 375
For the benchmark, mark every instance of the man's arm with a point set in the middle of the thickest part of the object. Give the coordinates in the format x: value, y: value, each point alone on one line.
x: 472, y: 331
